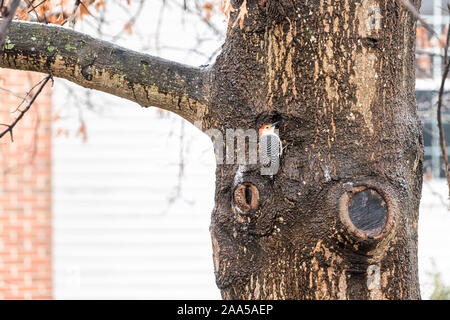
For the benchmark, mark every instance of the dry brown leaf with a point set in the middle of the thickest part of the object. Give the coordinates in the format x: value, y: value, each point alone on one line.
x: 22, y: 14
x: 82, y: 131
x: 59, y: 131
x: 56, y: 117
x: 82, y: 10
x: 99, y: 4
x: 227, y: 8
x: 208, y: 7
x: 128, y: 27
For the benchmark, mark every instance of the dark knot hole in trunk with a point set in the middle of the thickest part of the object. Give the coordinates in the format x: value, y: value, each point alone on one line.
x: 368, y: 211
x: 246, y: 197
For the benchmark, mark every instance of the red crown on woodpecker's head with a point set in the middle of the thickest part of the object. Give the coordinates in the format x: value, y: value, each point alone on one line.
x: 264, y: 128
x: 269, y: 127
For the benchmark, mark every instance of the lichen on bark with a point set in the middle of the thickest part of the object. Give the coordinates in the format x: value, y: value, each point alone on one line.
x: 340, y: 76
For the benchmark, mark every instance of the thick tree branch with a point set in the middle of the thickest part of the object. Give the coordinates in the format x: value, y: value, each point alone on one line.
x: 100, y: 65
x: 8, y: 14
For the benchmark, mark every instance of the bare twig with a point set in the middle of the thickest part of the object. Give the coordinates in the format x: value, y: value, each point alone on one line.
x: 71, y: 18
x: 131, y: 21
x: 198, y: 12
x: 408, y: 6
x: 6, y: 21
x: 158, y: 25
x: 439, y: 110
x: 27, y: 95
x: 428, y: 53
x: 10, y: 127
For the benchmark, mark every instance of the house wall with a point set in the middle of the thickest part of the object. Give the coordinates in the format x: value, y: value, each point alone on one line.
x: 131, y: 218
x: 25, y: 192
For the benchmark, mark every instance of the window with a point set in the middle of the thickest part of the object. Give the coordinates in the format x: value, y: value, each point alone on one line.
x: 427, y: 7
x: 444, y: 7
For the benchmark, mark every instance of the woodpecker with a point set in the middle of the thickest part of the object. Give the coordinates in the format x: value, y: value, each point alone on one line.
x: 270, y: 149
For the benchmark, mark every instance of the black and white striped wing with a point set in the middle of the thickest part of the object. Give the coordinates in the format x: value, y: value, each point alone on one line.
x: 270, y: 148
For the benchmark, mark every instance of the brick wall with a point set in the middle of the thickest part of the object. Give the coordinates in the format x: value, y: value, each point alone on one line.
x: 25, y: 191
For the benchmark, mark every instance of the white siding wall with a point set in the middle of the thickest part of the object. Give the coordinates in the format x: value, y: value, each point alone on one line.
x: 116, y: 235
x: 434, y: 234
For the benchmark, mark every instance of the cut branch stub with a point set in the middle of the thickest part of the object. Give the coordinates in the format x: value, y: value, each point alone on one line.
x: 246, y: 197
x: 366, y: 213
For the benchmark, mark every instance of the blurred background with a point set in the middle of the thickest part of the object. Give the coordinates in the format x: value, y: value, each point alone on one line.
x: 103, y: 199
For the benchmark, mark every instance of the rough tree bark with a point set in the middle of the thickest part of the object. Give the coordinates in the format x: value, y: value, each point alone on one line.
x: 339, y: 220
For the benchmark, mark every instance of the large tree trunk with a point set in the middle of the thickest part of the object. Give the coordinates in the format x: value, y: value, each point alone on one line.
x: 339, y: 219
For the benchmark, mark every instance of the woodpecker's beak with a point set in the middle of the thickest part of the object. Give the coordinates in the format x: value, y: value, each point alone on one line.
x: 276, y: 124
